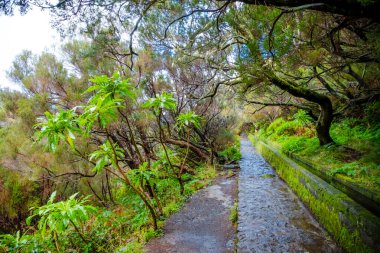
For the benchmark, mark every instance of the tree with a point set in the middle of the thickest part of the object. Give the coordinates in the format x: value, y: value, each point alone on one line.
x: 356, y: 8
x: 265, y: 51
x: 7, y: 6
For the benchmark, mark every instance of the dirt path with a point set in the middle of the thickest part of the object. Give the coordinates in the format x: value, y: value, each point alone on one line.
x: 271, y: 217
x: 203, y: 224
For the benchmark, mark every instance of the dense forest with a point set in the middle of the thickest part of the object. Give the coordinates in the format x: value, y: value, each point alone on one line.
x: 145, y: 101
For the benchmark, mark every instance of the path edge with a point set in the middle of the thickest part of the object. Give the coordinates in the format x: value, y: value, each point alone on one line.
x: 352, y: 226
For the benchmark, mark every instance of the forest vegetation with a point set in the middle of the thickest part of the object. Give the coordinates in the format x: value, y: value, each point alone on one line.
x: 145, y: 100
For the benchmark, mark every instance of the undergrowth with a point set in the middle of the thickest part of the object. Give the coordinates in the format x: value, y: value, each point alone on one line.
x: 356, y: 154
x: 232, y: 153
x: 74, y: 225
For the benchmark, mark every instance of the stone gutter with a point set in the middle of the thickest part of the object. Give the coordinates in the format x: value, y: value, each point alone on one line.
x: 366, y: 197
x: 354, y: 227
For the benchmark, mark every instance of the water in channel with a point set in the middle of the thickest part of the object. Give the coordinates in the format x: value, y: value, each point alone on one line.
x: 271, y: 217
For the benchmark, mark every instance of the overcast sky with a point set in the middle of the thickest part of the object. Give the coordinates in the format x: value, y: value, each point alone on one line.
x: 31, y: 31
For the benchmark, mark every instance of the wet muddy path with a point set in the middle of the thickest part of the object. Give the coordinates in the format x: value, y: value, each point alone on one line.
x: 203, y: 224
x: 271, y: 217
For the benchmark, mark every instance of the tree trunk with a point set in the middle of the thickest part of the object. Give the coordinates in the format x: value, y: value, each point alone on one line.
x: 325, y: 117
x: 193, y: 148
x: 181, y: 186
x: 324, y: 123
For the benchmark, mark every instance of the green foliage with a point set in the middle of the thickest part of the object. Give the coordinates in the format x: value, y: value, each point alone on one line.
x: 188, y: 118
x: 57, y: 217
x: 160, y: 102
x: 272, y: 128
x: 114, y: 87
x: 55, y: 222
x: 58, y: 127
x: 232, y: 153
x: 109, y: 95
x: 292, y: 144
x: 102, y: 110
x: 301, y: 118
x: 354, y: 156
x: 14, y: 243
x: 372, y: 113
x: 234, y: 214
x: 348, y: 169
x: 107, y: 154
x: 132, y: 247
x: 348, y: 130
x: 354, y: 169
x: 17, y: 196
x: 143, y: 175
x: 109, y: 105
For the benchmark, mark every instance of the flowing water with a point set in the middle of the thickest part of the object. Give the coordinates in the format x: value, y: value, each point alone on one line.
x: 271, y: 217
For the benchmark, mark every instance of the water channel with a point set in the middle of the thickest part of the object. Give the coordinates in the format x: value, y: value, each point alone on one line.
x: 271, y: 217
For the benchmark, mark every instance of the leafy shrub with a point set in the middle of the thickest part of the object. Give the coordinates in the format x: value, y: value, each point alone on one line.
x: 287, y: 128
x: 293, y: 145
x: 348, y: 169
x: 16, y: 243
x: 231, y: 154
x: 302, y: 118
x: 272, y: 128
x: 300, y: 126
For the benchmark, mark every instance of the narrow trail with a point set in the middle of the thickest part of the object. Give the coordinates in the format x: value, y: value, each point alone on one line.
x: 271, y: 217
x: 203, y: 224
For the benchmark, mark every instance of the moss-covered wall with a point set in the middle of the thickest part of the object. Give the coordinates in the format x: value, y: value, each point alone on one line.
x: 352, y: 226
x: 368, y: 198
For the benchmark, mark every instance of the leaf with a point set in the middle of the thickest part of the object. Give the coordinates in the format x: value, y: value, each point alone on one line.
x: 52, y: 197
x: 186, y: 119
x: 161, y: 101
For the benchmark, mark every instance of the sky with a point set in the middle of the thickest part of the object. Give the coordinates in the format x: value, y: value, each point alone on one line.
x: 31, y: 31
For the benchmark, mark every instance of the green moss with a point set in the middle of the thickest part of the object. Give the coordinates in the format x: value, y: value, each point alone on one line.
x: 329, y: 206
x: 268, y: 176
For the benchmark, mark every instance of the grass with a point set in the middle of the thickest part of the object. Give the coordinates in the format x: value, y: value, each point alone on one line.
x: 234, y: 214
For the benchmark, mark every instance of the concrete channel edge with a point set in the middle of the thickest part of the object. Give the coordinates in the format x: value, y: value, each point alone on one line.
x: 354, y: 228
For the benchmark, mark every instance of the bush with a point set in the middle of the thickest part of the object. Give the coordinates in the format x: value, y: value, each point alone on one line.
x: 231, y: 154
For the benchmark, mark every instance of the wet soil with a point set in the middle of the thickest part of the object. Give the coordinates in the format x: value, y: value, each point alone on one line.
x: 271, y: 217
x: 203, y: 224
